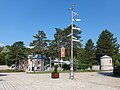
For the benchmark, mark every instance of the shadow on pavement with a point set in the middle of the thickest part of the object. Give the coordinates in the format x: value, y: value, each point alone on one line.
x: 3, y: 74
x: 110, y: 74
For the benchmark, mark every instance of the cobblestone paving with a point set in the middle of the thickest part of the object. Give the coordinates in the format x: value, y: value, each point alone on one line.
x: 82, y: 81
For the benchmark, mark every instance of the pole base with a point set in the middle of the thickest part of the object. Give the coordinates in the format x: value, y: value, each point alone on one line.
x: 71, y: 75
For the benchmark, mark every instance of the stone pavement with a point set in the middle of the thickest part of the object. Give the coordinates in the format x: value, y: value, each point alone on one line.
x: 82, y: 81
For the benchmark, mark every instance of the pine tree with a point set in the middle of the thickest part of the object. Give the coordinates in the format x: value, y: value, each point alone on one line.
x: 106, y: 44
x: 89, y: 56
x: 40, y: 44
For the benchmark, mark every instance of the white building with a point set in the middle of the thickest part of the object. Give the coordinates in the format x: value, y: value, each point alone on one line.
x: 106, y: 63
x: 37, y: 62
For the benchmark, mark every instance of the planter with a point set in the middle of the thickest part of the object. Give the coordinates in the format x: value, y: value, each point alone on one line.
x: 54, y: 75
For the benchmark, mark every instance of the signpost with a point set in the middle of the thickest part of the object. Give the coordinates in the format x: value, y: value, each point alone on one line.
x: 73, y: 14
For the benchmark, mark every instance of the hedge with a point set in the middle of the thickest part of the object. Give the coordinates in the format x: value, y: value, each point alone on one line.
x: 116, y: 71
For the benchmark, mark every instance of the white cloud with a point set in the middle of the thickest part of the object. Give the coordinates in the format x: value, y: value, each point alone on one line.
x: 1, y: 45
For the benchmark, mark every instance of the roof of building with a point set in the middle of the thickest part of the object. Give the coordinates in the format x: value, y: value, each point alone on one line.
x: 39, y: 56
x: 105, y: 56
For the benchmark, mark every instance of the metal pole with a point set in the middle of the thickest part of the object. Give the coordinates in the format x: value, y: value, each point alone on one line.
x: 71, y: 62
x: 50, y: 63
x: 73, y: 14
x: 61, y: 63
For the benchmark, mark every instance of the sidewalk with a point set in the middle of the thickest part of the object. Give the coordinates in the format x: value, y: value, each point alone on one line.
x: 82, y: 81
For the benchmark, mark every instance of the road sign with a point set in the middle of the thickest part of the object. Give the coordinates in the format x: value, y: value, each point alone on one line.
x: 75, y: 28
x: 74, y: 37
x: 78, y: 20
x: 75, y: 40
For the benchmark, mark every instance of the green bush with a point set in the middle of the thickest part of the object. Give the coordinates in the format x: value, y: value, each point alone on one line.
x: 55, y: 68
x: 83, y: 66
x: 66, y: 67
x: 116, y: 71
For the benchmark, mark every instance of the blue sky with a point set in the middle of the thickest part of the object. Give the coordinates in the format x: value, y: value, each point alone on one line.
x: 21, y: 19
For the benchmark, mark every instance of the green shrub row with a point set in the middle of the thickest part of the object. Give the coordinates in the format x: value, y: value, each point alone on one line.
x: 65, y: 67
x: 80, y: 66
x: 83, y: 66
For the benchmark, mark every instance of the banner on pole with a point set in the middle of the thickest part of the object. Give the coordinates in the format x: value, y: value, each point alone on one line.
x: 62, y: 52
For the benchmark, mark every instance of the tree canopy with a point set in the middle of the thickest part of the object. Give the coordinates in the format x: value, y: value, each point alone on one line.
x: 107, y: 44
x: 90, y: 54
x: 61, y: 39
x: 40, y: 43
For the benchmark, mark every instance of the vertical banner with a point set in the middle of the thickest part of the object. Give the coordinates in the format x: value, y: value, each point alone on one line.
x: 62, y: 52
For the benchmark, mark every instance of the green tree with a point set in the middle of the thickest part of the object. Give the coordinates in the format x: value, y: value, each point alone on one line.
x: 80, y: 55
x: 89, y: 55
x: 57, y: 41
x: 106, y: 44
x: 67, y: 41
x: 2, y: 59
x: 61, y: 39
x: 116, y: 59
x: 1, y: 56
x: 55, y: 45
x: 40, y: 44
x: 1, y: 48
x: 3, y: 53
x: 52, y: 49
x: 16, y: 53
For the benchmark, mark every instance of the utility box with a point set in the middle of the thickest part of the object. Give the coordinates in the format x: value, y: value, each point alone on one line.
x: 106, y: 63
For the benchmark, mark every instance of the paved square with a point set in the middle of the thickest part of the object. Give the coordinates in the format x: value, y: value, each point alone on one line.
x: 82, y: 81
